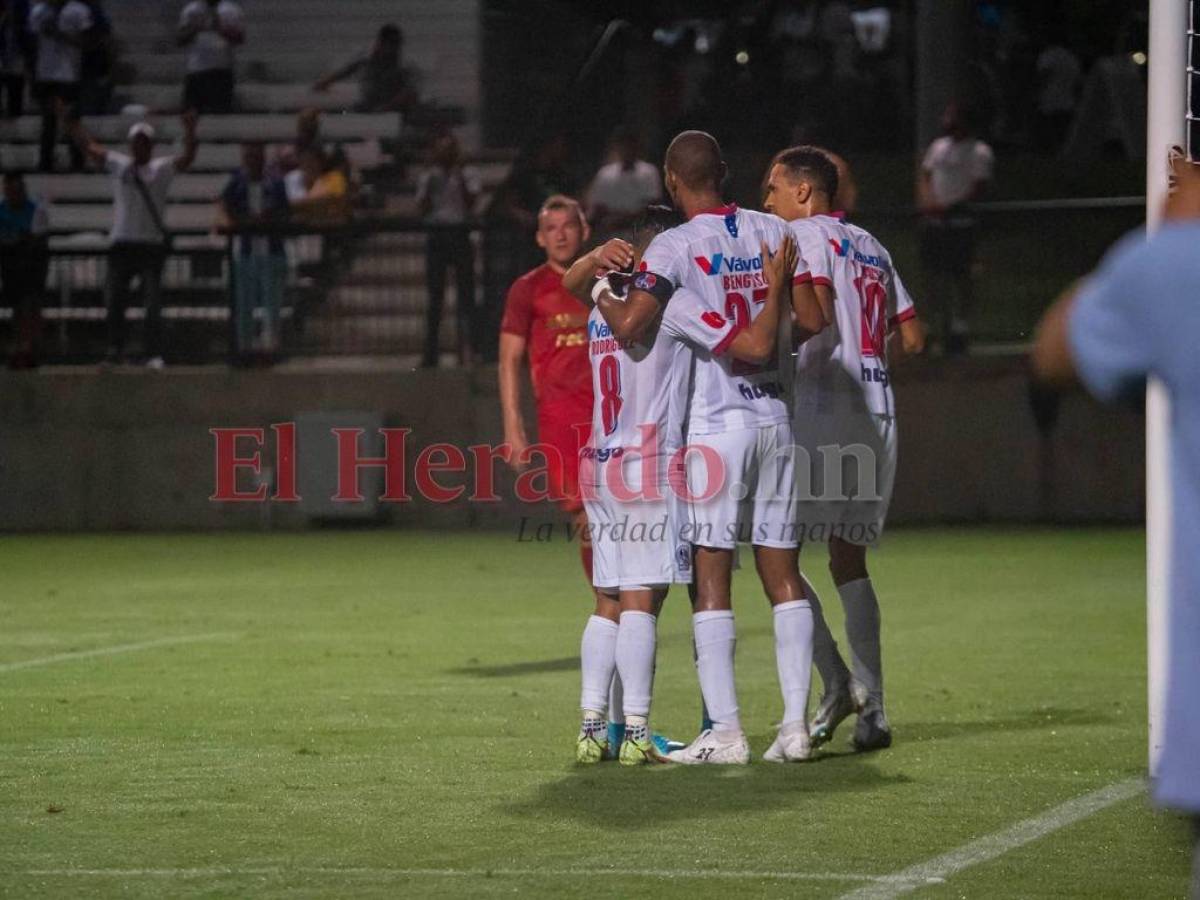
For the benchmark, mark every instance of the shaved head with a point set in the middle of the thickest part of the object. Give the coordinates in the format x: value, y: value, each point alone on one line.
x: 694, y: 158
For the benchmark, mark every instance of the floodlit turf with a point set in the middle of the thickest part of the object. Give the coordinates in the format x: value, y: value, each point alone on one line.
x: 393, y: 714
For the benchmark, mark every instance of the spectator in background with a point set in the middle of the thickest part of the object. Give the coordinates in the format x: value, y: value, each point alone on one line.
x: 326, y: 199
x: 23, y: 263
x: 60, y: 27
x: 308, y: 136
x: 16, y: 55
x: 308, y: 130
x: 99, y: 59
x: 1059, y: 75
x: 387, y: 85
x: 446, y: 196
x: 211, y: 30
x: 287, y: 156
x: 510, y: 249
x: 255, y: 197
x: 140, y: 239
x: 622, y: 189
x: 954, y: 173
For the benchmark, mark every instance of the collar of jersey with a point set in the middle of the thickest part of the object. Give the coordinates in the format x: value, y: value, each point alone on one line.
x: 727, y: 210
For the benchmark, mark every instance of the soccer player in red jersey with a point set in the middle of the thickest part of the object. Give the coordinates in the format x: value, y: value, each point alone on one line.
x: 545, y: 321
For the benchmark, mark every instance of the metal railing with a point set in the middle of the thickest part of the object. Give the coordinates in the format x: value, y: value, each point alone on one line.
x: 361, y: 289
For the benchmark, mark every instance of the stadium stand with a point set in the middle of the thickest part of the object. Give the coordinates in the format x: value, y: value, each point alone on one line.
x: 374, y: 301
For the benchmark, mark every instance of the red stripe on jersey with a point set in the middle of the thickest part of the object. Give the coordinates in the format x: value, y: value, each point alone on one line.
x: 802, y: 279
x: 726, y: 341
x: 822, y: 281
x: 910, y: 313
x: 727, y: 210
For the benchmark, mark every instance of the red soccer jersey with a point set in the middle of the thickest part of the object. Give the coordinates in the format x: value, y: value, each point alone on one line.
x: 554, y: 325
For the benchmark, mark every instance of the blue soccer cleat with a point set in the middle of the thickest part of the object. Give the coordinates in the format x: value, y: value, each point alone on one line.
x: 616, y: 736
x: 665, y: 745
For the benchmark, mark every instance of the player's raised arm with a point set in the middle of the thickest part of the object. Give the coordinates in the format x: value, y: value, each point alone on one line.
x: 756, y: 344
x: 612, y: 255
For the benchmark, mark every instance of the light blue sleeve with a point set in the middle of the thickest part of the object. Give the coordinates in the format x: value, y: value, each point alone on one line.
x: 1111, y: 326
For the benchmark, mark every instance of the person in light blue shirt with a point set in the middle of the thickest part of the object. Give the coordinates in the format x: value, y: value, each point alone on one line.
x: 1138, y: 316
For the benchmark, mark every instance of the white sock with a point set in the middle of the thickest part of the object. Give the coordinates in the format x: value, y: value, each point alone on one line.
x: 598, y: 660
x: 616, y: 694
x: 831, y: 666
x: 637, y: 728
x: 716, y: 639
x: 636, y: 642
x: 705, y: 718
x: 862, y: 632
x: 793, y: 657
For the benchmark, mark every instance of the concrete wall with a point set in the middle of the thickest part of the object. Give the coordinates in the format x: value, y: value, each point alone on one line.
x: 132, y: 450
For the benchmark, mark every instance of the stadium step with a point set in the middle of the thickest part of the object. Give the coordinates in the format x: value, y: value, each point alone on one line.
x: 365, y: 155
x: 352, y: 127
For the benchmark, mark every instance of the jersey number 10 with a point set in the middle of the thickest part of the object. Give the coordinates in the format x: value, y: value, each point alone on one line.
x: 873, y: 296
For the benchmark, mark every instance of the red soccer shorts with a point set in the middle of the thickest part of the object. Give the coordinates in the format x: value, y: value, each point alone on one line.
x: 564, y: 436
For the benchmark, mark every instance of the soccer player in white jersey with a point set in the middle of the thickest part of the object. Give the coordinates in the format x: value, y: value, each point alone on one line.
x: 738, y: 415
x: 843, y: 399
x: 639, y: 541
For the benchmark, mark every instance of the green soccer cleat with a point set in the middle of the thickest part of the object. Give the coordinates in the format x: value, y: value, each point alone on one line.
x: 592, y: 744
x: 639, y: 753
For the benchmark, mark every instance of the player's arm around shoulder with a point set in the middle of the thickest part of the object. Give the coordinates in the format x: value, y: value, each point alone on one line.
x: 756, y: 344
x: 812, y: 296
x: 630, y: 318
x: 649, y: 293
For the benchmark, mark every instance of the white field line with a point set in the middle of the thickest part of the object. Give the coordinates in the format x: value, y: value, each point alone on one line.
x: 999, y: 843
x: 112, y: 651
x: 681, y: 874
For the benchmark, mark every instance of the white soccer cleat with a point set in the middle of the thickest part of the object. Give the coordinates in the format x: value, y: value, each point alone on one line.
x: 713, y: 749
x: 790, y: 745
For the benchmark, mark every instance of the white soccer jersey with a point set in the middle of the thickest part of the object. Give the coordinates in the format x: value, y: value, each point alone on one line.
x: 640, y: 388
x: 844, y: 369
x: 718, y: 256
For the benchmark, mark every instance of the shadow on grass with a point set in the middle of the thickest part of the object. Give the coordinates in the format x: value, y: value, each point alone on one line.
x: 611, y: 796
x: 475, y: 669
x: 565, y: 664
x: 1045, y: 718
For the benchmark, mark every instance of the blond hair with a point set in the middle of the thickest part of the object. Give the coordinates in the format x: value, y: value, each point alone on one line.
x: 562, y: 201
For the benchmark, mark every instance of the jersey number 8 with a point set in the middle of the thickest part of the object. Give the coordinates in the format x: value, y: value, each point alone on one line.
x: 610, y: 393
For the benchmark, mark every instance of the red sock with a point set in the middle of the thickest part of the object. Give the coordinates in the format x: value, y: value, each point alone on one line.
x: 585, y: 554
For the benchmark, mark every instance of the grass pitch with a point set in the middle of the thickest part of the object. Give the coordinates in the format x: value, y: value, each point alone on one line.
x: 393, y: 714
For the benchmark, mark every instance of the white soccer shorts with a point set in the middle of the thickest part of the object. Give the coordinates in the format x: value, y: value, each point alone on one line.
x: 756, y: 501
x: 636, y: 543
x: 844, y: 489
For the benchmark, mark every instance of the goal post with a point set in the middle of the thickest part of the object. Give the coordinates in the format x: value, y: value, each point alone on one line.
x: 1167, y: 126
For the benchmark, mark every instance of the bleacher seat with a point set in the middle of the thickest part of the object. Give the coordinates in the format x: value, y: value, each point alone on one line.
x: 380, y: 298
